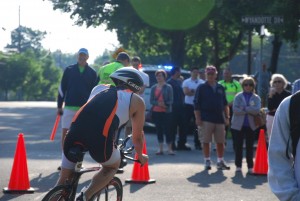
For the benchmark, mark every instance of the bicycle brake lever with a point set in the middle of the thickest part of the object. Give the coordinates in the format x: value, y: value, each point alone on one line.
x: 132, y: 159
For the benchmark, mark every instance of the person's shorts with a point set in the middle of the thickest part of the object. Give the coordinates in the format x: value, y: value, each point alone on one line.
x: 67, y: 117
x: 115, y: 156
x: 212, y: 129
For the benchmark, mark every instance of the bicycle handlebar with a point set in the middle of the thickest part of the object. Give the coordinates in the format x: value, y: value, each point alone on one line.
x: 125, y: 153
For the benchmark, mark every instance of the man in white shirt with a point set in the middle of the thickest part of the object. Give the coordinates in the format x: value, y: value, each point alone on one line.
x: 189, y: 88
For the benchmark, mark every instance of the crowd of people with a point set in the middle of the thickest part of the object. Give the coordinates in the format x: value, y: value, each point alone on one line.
x: 211, y: 109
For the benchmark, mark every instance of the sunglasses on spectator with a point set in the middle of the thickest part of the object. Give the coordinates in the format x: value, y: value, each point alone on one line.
x: 277, y: 81
x: 248, y: 84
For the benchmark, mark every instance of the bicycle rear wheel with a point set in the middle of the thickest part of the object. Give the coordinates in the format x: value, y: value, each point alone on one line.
x: 112, y: 192
x: 58, y: 193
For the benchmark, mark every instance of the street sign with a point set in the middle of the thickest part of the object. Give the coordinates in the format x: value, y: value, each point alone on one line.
x: 262, y: 20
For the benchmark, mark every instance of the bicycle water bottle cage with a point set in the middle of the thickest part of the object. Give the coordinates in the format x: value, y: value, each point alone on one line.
x: 76, y: 153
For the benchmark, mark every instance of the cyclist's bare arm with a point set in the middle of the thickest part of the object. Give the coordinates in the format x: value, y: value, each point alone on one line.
x: 137, y: 115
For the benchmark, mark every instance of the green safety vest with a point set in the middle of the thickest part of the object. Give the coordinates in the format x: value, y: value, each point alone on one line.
x: 231, y: 89
x: 105, y: 71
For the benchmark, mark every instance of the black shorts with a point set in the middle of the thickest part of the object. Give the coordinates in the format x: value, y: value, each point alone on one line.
x: 94, y: 126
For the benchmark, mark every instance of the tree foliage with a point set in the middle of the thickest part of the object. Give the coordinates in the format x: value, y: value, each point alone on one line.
x: 26, y: 77
x: 215, y: 40
x: 24, y: 38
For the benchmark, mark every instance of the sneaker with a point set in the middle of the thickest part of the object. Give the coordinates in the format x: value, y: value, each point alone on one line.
x: 222, y: 166
x: 120, y: 171
x: 207, y: 165
x: 238, y: 169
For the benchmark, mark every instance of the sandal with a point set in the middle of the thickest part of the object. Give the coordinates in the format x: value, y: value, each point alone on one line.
x: 159, y: 153
x: 172, y: 153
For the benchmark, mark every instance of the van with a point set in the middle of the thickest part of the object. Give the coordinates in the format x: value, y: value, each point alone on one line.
x: 150, y: 70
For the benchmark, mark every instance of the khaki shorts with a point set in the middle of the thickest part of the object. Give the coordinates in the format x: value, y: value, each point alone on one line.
x: 67, y: 117
x: 212, y: 129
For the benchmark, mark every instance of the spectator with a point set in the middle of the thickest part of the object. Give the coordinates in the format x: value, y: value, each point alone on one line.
x: 76, y: 85
x: 161, y: 98
x: 277, y: 93
x: 177, y: 117
x: 202, y: 75
x: 283, y: 173
x: 262, y: 78
x: 246, y: 104
x: 212, y: 113
x: 296, y: 86
x: 189, y: 88
x: 136, y: 63
x: 232, y: 87
x: 123, y: 60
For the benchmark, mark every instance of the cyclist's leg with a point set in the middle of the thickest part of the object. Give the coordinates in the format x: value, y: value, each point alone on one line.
x: 103, y: 177
x: 67, y: 169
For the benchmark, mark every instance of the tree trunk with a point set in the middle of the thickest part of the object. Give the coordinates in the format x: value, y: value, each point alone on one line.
x: 177, y: 48
x: 275, y: 53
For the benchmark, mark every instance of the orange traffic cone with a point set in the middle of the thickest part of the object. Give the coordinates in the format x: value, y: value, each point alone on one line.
x: 261, y: 158
x: 19, y: 180
x: 140, y: 174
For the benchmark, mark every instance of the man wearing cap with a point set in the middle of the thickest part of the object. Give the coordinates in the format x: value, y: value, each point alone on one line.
x: 76, y: 85
x: 212, y: 113
x: 123, y: 60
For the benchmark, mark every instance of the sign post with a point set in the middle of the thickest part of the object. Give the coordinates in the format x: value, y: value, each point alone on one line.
x: 259, y: 20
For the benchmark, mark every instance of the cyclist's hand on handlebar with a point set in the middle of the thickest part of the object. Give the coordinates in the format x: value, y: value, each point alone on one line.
x: 143, y: 159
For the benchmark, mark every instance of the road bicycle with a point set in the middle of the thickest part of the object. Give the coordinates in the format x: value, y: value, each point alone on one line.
x: 113, y: 190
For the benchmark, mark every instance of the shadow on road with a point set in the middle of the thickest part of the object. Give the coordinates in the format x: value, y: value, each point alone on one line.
x: 202, y: 178
x: 248, y: 181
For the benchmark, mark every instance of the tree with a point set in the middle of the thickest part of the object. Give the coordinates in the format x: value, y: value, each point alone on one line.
x: 14, y: 69
x: 24, y: 38
x: 63, y: 60
x: 216, y: 39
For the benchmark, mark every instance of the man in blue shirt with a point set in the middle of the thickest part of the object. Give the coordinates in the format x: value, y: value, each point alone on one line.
x: 76, y: 85
x: 178, y: 111
x: 212, y: 113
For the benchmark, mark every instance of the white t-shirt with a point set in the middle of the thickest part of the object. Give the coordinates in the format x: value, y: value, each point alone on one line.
x: 146, y: 81
x: 191, y: 84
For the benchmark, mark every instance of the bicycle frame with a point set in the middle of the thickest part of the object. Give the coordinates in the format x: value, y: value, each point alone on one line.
x: 70, y: 187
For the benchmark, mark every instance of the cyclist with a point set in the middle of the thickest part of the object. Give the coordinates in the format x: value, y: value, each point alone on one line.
x: 96, y: 123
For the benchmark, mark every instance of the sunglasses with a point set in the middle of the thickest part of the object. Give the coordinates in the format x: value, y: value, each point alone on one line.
x: 247, y: 84
x: 277, y: 81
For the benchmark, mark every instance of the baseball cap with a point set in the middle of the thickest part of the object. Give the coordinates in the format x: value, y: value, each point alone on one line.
x: 84, y: 51
x: 211, y: 69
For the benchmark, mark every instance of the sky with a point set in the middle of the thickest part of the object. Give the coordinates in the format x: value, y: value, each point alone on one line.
x: 62, y: 34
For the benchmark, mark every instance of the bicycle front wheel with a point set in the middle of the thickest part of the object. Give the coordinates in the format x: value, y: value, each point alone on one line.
x: 112, y: 192
x: 58, y: 193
